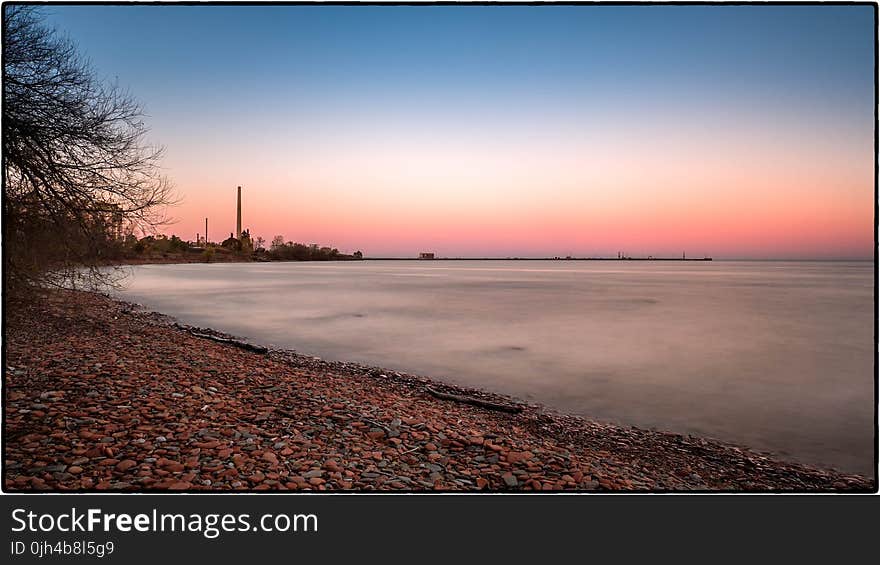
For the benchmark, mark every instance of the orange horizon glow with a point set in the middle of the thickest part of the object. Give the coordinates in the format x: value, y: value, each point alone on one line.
x: 468, y: 131
x: 482, y: 197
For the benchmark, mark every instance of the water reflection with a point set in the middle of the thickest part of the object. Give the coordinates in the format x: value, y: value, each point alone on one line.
x: 777, y: 356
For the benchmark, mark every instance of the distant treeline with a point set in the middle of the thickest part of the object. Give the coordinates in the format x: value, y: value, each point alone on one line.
x: 280, y: 250
x: 164, y: 248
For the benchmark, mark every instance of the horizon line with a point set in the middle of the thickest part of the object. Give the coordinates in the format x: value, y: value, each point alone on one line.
x: 664, y: 259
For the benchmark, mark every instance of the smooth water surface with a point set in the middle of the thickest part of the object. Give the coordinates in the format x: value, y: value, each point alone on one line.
x: 776, y: 356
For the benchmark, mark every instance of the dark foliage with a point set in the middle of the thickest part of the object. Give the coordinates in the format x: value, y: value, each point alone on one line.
x: 78, y: 173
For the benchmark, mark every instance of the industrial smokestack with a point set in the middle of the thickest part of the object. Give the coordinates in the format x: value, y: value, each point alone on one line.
x: 238, y: 217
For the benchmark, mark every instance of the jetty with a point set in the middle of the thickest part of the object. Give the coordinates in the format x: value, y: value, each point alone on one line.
x: 649, y: 258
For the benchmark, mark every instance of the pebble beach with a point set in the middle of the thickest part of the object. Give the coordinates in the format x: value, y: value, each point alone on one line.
x: 102, y: 395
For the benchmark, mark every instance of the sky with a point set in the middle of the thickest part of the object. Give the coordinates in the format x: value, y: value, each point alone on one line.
x: 471, y: 131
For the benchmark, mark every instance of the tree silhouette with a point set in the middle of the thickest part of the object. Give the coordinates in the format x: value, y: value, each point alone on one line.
x: 78, y: 172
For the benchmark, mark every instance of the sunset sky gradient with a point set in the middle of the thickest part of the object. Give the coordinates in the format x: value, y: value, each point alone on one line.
x: 736, y: 132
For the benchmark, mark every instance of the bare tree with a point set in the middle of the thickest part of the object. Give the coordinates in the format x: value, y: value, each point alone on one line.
x: 78, y: 172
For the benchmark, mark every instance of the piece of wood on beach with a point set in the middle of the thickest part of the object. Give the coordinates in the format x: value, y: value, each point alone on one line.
x: 474, y: 401
x: 233, y: 342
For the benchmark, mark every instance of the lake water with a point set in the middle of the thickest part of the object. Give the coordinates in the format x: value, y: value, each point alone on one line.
x: 777, y: 356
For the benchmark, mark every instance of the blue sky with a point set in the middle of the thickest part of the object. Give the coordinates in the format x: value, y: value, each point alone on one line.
x: 285, y: 87
x: 820, y: 53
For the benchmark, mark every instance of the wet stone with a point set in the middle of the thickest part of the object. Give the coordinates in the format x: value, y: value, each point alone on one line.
x: 168, y: 410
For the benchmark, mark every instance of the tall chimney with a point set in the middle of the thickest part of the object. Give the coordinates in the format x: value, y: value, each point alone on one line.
x: 238, y: 217
x: 206, y: 231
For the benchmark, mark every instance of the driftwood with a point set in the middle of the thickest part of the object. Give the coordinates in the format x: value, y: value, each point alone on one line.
x: 234, y: 343
x: 474, y: 401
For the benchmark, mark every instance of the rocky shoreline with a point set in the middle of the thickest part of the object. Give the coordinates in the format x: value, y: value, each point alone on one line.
x: 102, y: 395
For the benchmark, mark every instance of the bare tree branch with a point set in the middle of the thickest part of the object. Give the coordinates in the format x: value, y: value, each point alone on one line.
x: 77, y: 166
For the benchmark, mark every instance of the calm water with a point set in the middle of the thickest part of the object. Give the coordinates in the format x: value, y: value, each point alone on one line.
x: 776, y: 356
